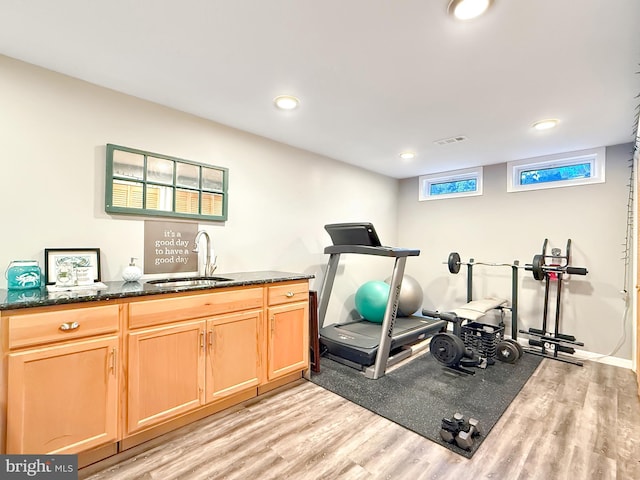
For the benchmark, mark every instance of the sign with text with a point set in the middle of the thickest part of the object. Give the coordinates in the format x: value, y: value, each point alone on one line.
x: 168, y: 247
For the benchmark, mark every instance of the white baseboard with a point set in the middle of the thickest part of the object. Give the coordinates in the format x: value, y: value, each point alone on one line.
x: 597, y: 357
x: 594, y: 357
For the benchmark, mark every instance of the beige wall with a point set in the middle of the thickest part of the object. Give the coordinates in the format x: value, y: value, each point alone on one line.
x: 502, y: 227
x: 53, y: 132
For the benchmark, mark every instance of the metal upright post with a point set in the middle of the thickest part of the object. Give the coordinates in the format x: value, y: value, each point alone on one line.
x: 388, y: 321
x: 556, y: 330
x: 514, y: 299
x: 470, y: 280
x: 327, y: 286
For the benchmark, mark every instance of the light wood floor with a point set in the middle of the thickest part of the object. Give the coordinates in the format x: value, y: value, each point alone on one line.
x: 568, y: 422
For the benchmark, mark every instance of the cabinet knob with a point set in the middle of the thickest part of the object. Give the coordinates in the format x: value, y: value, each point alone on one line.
x: 69, y: 326
x: 289, y: 294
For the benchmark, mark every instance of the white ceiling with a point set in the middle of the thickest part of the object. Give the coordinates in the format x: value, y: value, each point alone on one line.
x: 375, y: 77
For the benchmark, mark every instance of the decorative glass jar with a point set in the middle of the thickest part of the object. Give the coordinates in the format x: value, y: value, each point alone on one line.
x: 23, y: 274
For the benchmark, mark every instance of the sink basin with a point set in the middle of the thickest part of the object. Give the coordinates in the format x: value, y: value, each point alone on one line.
x: 188, y: 282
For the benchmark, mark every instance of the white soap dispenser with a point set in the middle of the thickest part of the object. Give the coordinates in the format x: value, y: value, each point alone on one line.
x: 132, y: 273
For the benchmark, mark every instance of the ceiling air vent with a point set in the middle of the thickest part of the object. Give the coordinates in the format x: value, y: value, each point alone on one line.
x: 448, y: 141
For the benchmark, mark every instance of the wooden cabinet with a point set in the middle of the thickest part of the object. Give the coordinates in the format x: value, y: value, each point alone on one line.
x: 287, y: 329
x: 147, y: 313
x: 178, y: 367
x: 61, y: 325
x: 233, y: 354
x: 97, y: 377
x: 62, y: 394
x: 165, y: 373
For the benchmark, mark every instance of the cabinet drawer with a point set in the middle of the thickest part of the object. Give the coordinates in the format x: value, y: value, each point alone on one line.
x: 291, y: 292
x: 61, y: 325
x: 147, y: 313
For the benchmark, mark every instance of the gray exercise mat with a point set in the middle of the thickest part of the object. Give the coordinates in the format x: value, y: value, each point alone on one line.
x: 419, y: 394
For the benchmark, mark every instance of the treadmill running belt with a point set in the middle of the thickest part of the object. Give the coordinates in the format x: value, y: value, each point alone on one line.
x: 358, y: 341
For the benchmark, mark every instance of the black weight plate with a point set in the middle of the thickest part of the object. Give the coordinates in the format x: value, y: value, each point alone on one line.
x: 447, y: 348
x: 536, y: 266
x: 517, y: 345
x: 472, y: 361
x: 507, y: 352
x: 454, y: 262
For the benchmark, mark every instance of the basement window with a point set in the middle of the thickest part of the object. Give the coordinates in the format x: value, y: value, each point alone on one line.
x: 458, y: 183
x: 563, y: 170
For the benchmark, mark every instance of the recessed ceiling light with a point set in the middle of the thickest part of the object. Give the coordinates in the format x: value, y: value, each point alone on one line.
x: 407, y: 155
x: 468, y: 9
x: 545, y: 124
x: 286, y: 102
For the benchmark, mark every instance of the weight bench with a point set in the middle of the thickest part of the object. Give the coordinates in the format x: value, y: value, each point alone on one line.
x: 479, y: 308
x: 471, y: 311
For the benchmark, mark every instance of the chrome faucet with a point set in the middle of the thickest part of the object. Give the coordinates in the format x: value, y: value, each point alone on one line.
x: 209, y: 268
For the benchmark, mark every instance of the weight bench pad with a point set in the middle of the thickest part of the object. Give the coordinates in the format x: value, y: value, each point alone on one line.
x: 478, y: 308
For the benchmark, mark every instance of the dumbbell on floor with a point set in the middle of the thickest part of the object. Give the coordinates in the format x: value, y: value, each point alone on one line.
x: 458, y: 430
x: 465, y: 438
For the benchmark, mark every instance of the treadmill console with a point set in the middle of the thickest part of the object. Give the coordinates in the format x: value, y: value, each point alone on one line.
x: 353, y: 234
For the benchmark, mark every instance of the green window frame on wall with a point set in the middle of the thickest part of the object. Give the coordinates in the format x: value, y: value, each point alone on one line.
x: 151, y: 184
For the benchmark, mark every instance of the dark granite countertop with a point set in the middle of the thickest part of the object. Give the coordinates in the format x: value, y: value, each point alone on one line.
x: 14, y: 299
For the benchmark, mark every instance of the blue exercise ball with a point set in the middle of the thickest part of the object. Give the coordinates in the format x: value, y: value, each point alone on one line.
x: 371, y: 300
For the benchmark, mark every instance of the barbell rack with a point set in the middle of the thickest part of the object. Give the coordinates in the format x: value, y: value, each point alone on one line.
x: 454, y: 263
x: 555, y: 341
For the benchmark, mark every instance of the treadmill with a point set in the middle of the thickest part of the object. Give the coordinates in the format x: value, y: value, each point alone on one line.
x: 369, y: 346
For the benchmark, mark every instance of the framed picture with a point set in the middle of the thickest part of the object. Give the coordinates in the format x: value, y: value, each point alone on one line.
x: 59, y: 261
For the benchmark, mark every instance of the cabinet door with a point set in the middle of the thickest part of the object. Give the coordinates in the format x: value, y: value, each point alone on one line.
x: 288, y: 339
x: 165, y: 373
x: 233, y: 360
x: 63, y: 399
